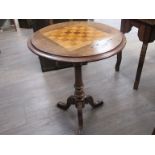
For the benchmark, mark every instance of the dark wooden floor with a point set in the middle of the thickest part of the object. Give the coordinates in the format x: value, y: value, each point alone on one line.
x: 28, y: 97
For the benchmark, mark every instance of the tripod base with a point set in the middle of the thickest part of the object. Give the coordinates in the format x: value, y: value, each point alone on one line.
x: 72, y: 100
x: 79, y: 99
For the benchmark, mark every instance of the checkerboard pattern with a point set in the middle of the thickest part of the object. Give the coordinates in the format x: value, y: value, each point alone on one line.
x: 75, y: 36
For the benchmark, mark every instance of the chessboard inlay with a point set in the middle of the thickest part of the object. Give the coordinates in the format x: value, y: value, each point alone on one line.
x: 75, y: 36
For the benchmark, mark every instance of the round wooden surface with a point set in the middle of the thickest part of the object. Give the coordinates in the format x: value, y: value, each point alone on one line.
x: 77, y: 41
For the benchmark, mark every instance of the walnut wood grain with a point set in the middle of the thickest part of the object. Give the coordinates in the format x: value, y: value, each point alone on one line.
x: 46, y: 48
x: 100, y: 50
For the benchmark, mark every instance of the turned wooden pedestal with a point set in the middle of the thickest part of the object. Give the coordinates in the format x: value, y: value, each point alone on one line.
x: 79, y: 99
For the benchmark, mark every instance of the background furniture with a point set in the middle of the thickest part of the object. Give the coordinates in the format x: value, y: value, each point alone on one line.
x: 6, y: 24
x: 12, y: 23
x: 25, y: 23
x: 77, y: 42
x: 146, y: 34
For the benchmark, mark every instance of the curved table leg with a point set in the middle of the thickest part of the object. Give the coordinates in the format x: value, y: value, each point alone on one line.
x: 90, y: 100
x: 71, y: 100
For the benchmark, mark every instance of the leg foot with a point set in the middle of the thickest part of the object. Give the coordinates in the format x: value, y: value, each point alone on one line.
x: 90, y: 100
x: 136, y: 84
x: 70, y: 101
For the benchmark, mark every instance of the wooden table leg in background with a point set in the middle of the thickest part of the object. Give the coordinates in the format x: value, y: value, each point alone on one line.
x: 119, y: 59
x: 140, y: 65
x: 123, y: 29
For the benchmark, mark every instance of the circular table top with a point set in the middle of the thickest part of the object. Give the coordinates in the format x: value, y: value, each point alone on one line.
x: 77, y: 41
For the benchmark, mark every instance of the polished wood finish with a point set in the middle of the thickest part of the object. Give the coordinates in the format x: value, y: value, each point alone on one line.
x: 109, y: 43
x: 146, y: 34
x: 94, y: 48
x: 97, y: 50
x: 78, y: 59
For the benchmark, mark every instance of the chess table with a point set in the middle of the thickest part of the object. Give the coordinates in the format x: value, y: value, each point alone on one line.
x: 77, y: 42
